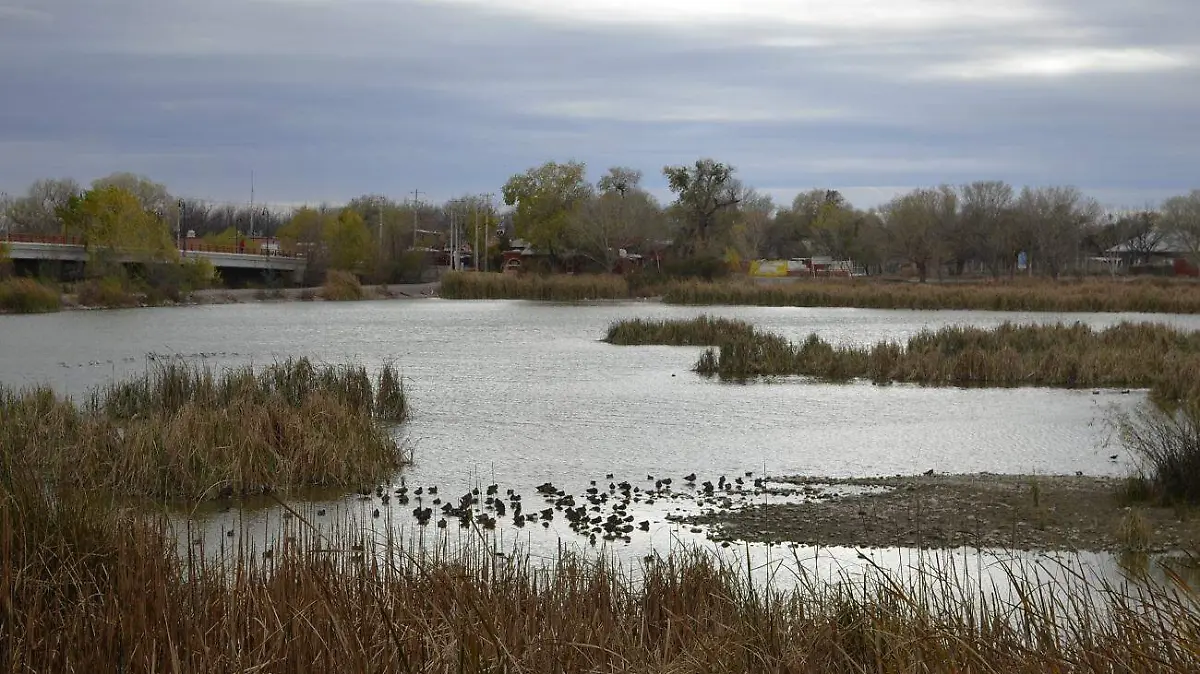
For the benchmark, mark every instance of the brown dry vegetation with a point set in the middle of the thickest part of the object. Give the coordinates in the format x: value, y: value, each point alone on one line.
x: 185, y: 433
x: 1125, y: 295
x: 1125, y: 355
x: 91, y: 590
x: 558, y: 288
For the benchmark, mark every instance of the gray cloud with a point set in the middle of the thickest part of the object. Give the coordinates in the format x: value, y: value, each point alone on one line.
x: 325, y: 99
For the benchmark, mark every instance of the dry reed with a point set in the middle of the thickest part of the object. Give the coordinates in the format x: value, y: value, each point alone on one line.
x: 187, y: 432
x: 1125, y: 295
x: 557, y: 288
x: 106, y: 591
x: 28, y: 296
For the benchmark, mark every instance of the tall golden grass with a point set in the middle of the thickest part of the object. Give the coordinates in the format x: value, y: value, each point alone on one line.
x: 28, y: 296
x: 556, y: 288
x: 1133, y: 295
x: 342, y: 286
x: 1060, y: 355
x: 699, y: 331
x: 182, y: 432
x: 89, y: 589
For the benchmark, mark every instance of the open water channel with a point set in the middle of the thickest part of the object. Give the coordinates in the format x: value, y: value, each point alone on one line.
x: 518, y: 394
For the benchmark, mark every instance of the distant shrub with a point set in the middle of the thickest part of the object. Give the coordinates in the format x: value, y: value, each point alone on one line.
x: 108, y: 292
x: 342, y: 286
x: 27, y: 296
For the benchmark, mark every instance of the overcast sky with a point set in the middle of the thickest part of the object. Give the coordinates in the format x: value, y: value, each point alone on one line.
x: 327, y: 99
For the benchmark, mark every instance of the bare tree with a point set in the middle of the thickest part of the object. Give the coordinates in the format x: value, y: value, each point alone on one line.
x: 620, y: 179
x: 37, y: 211
x: 914, y: 223
x: 1181, y: 218
x: 703, y: 191
x: 987, y: 223
x: 1056, y: 218
x: 1141, y: 233
x: 608, y: 222
x: 755, y: 217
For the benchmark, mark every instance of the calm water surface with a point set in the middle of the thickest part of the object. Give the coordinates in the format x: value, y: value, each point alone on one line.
x: 520, y: 393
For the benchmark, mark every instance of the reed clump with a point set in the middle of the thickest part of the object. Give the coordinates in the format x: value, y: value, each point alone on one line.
x: 342, y: 286
x: 184, y: 432
x: 1059, y: 355
x: 1125, y: 295
x: 28, y: 296
x: 556, y: 288
x: 700, y: 331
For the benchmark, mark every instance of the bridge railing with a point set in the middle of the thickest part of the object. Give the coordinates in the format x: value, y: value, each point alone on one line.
x: 191, y: 245
x: 62, y: 240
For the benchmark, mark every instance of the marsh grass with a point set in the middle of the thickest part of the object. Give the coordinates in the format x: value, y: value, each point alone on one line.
x: 102, y: 590
x: 108, y: 292
x: 342, y: 286
x: 1059, y: 355
x: 700, y: 331
x: 557, y: 288
x: 1126, y: 295
x: 28, y: 296
x: 184, y: 432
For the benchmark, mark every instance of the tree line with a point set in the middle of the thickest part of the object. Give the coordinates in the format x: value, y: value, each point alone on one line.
x: 713, y: 223
x: 945, y: 229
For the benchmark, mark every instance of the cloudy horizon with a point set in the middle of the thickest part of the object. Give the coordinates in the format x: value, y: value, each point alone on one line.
x: 325, y: 100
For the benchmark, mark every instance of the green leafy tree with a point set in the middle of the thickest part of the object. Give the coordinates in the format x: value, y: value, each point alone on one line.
x: 114, y: 225
x: 545, y: 198
x: 702, y: 191
x: 348, y: 241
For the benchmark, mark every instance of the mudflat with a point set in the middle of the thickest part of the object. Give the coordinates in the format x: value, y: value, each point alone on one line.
x: 1018, y: 512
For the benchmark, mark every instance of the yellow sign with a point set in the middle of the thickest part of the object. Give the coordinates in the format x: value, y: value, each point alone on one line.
x: 769, y: 268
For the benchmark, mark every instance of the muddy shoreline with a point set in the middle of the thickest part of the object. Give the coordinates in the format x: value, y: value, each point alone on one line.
x: 1018, y: 512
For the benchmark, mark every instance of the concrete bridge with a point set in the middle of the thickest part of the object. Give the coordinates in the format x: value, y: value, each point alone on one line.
x: 232, y: 264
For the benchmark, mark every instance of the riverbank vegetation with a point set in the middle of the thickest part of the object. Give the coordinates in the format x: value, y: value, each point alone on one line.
x: 92, y: 589
x: 558, y: 288
x: 1092, y: 295
x: 189, y: 433
x: 28, y: 296
x: 342, y: 286
x: 1125, y: 355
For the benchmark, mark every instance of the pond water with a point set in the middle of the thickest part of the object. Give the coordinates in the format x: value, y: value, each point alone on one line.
x: 520, y: 393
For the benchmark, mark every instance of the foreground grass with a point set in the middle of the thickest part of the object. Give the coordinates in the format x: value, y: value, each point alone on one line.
x: 87, y: 589
x: 1125, y: 355
x: 559, y: 288
x: 1137, y: 295
x: 28, y: 296
x: 190, y: 433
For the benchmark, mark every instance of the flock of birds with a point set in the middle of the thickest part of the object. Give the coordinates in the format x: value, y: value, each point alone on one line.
x: 604, y: 510
x: 154, y: 358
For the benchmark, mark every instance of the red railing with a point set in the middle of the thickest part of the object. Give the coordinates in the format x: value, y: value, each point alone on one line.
x: 43, y: 238
x: 190, y: 245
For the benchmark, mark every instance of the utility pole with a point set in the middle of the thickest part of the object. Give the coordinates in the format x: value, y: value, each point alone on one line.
x: 486, y: 229
x: 179, y: 224
x: 4, y: 217
x: 251, y: 235
x: 416, y: 207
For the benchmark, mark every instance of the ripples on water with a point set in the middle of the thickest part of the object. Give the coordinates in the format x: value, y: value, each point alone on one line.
x: 518, y: 393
